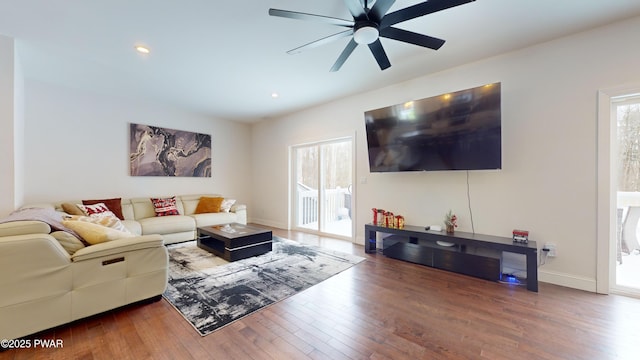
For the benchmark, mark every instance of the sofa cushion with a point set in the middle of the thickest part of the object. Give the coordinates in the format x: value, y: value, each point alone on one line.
x: 94, y: 233
x: 142, y: 208
x: 127, y: 210
x: 69, y: 242
x: 133, y: 226
x: 210, y: 219
x: 167, y: 224
x: 115, y: 205
x: 165, y: 206
x: 208, y: 205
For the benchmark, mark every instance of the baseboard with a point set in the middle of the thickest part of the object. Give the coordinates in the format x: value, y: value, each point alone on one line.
x: 566, y: 280
x: 267, y: 223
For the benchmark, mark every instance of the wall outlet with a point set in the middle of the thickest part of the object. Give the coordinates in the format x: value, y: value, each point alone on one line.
x: 550, y: 249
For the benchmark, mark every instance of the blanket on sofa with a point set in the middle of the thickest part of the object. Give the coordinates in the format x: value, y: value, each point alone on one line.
x: 51, y: 217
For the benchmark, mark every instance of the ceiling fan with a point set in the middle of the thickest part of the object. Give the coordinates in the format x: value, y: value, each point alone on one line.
x: 369, y: 24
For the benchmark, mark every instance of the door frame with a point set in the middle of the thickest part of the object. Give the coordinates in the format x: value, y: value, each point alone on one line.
x: 607, y: 186
x: 293, y: 185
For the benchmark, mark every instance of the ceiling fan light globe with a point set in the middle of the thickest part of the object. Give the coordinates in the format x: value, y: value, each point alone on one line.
x: 366, y: 35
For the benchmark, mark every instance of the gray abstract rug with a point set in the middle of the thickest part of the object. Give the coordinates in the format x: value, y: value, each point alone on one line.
x: 212, y: 293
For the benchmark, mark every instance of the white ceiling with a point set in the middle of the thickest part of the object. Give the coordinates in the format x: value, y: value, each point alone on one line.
x: 225, y: 58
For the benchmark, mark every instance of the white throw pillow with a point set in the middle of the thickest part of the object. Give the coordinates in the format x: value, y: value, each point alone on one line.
x: 93, y: 209
x: 226, y: 205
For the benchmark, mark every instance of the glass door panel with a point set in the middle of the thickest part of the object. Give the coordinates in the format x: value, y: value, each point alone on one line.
x: 307, y: 180
x: 627, y: 275
x: 323, y: 177
x: 336, y: 188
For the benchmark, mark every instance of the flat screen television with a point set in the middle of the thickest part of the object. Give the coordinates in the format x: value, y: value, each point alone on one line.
x: 455, y: 131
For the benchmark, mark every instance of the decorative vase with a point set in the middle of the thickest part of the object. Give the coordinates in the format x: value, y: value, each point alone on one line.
x: 449, y: 228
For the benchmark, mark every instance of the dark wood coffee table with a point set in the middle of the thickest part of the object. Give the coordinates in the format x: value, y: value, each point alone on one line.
x: 234, y: 241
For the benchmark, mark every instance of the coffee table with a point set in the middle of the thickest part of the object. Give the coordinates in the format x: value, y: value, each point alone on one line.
x: 234, y: 241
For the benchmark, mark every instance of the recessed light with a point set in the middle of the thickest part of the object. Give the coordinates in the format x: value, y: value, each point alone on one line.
x: 142, y: 49
x: 275, y: 95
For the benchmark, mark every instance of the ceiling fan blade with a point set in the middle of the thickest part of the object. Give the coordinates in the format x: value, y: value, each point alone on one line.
x: 412, y: 38
x: 324, y: 40
x: 381, y: 56
x: 418, y: 10
x: 379, y: 9
x: 344, y: 55
x: 356, y: 9
x: 303, y: 16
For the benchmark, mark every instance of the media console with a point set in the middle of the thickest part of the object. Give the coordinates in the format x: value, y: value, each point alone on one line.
x: 472, y: 254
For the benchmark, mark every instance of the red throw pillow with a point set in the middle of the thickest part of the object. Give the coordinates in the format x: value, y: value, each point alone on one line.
x: 165, y: 206
x: 114, y: 205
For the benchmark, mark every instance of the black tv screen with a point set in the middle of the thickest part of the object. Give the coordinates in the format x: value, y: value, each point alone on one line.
x: 455, y: 131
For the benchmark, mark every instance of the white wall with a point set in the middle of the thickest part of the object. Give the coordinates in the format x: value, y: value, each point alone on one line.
x: 548, y: 181
x: 18, y: 132
x: 7, y: 125
x: 77, y: 148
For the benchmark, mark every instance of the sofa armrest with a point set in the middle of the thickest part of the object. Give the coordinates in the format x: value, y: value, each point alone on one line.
x: 241, y: 211
x: 238, y: 207
x: 118, y: 246
x: 32, y: 266
x: 13, y: 228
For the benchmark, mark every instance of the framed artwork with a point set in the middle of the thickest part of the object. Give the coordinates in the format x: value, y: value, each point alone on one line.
x: 157, y: 151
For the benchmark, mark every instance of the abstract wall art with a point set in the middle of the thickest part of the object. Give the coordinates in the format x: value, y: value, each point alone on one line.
x: 157, y: 151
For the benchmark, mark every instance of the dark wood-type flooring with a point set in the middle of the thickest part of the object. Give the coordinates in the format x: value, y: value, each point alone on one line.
x: 379, y: 309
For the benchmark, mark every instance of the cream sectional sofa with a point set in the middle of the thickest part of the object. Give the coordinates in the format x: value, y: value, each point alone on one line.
x: 43, y: 285
x: 139, y: 217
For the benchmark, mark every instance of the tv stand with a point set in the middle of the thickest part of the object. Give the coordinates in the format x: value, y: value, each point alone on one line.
x: 472, y: 254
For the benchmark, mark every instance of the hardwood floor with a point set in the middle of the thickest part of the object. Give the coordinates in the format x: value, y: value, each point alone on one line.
x: 379, y: 309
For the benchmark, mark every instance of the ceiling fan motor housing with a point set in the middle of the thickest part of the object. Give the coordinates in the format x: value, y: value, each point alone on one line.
x: 365, y: 32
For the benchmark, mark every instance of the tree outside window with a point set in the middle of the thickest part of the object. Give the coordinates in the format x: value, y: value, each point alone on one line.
x: 629, y: 146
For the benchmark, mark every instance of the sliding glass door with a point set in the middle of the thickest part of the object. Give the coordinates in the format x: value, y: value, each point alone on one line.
x: 626, y: 114
x: 322, y: 198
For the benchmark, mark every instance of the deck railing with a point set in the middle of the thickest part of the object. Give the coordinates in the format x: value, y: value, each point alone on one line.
x: 333, y: 208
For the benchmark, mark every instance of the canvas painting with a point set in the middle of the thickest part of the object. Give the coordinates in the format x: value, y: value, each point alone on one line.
x: 157, y: 151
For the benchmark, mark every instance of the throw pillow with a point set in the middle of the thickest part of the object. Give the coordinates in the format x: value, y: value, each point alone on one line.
x: 106, y: 218
x: 89, y: 210
x: 208, y: 205
x: 114, y: 205
x: 165, y: 206
x: 69, y: 242
x: 94, y: 233
x: 226, y: 205
x: 71, y: 209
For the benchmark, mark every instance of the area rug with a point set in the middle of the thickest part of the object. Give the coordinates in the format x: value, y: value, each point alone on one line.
x: 211, y: 292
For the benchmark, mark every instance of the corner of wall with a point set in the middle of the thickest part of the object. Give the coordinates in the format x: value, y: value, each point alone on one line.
x: 7, y: 122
